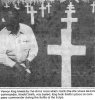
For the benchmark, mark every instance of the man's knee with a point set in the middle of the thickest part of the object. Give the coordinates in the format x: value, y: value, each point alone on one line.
x: 6, y: 76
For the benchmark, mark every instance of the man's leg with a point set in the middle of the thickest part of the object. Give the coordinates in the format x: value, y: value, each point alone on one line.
x: 20, y: 78
x: 12, y: 78
x: 6, y: 76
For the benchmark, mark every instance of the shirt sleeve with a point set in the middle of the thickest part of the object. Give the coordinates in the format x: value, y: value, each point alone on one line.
x: 4, y: 59
x: 33, y: 45
x: 8, y: 61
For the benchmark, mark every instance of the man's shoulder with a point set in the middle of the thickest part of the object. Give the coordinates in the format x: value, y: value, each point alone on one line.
x: 25, y: 27
x: 27, y: 30
x: 4, y: 32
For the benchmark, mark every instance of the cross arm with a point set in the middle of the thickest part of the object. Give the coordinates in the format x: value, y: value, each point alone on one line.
x: 54, y: 49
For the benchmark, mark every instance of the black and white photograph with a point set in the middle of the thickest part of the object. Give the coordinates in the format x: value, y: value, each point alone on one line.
x: 47, y: 43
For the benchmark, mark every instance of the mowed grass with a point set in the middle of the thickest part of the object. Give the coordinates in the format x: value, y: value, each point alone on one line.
x: 46, y: 69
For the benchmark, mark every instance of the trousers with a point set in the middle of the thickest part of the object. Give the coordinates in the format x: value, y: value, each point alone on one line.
x: 11, y: 78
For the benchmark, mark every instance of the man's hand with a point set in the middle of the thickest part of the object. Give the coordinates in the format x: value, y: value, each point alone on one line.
x: 27, y: 64
x: 28, y: 72
x: 18, y: 67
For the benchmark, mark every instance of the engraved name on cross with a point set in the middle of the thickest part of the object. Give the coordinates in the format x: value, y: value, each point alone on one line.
x: 66, y: 49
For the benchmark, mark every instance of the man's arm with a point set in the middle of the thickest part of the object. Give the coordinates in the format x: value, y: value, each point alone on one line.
x: 7, y: 61
x: 33, y: 50
x: 34, y: 46
x: 15, y: 65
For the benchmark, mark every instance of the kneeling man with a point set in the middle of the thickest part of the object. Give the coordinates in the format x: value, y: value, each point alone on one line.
x: 18, y: 47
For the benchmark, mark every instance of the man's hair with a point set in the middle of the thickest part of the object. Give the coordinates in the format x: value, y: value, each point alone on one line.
x: 13, y: 11
x: 11, y: 16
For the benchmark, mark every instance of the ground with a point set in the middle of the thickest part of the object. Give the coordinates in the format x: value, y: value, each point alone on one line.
x: 46, y: 69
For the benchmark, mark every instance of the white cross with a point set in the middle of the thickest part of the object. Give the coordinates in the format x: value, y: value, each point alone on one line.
x: 31, y: 1
x: 66, y: 49
x: 15, y: 6
x: 93, y: 5
x: 75, y: 0
x: 3, y: 20
x: 28, y: 7
x: 18, y: 2
x: 61, y: 1
x: 48, y: 5
x: 34, y: 1
x: 32, y: 12
x: 42, y: 8
x: 6, y: 5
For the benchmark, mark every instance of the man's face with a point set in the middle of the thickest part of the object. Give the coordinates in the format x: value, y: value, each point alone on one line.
x: 10, y: 21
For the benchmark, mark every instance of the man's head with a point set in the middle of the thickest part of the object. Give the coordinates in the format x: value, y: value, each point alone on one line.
x: 11, y: 17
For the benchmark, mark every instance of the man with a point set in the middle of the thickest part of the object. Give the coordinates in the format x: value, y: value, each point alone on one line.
x: 18, y: 47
